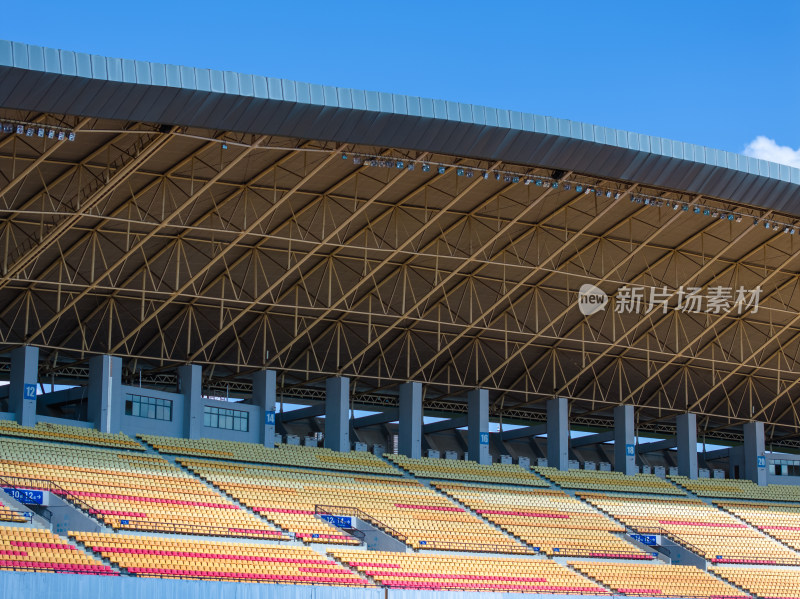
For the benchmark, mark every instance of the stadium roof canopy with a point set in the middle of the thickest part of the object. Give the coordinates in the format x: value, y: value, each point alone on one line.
x: 240, y: 222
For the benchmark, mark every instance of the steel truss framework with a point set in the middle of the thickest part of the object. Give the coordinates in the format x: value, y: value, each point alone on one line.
x: 164, y: 246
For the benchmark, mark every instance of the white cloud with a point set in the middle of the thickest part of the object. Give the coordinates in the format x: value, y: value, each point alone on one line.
x: 767, y: 149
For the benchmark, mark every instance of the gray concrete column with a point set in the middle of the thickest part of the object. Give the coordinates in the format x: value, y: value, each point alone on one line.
x: 264, y: 395
x: 23, y: 384
x: 478, y: 426
x: 191, y: 380
x: 624, y: 440
x: 755, y: 461
x: 687, y: 444
x: 558, y: 433
x: 337, y: 413
x: 409, y: 439
x: 106, y: 403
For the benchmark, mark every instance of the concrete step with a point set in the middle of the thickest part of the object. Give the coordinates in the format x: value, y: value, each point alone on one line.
x: 729, y: 583
x: 587, y: 577
x: 231, y: 498
x: 753, y: 528
x: 475, y: 514
x: 88, y: 551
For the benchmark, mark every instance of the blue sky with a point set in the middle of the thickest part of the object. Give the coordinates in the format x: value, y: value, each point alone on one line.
x: 711, y: 72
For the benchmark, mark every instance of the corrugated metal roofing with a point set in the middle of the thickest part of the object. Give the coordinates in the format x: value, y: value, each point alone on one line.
x: 60, y: 81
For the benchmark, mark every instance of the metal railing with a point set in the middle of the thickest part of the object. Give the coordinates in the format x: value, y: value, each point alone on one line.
x: 757, y: 561
x: 197, y: 529
x: 8, y: 514
x: 478, y: 547
x: 341, y: 510
x: 716, y: 559
x: 41, y: 484
x: 582, y: 552
x: 657, y: 530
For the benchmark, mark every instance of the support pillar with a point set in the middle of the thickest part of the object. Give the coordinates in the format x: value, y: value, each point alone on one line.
x: 624, y: 440
x: 687, y: 445
x: 264, y: 395
x: 190, y: 377
x: 105, y: 393
x: 22, y: 387
x: 478, y: 426
x: 755, y: 461
x: 558, y: 433
x: 337, y: 413
x: 410, y: 433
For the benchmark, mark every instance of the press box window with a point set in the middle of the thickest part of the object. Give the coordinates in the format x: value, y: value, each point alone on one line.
x: 784, y: 467
x: 232, y: 420
x: 148, y: 407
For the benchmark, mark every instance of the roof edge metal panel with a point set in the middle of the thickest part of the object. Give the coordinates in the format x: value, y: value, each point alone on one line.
x: 284, y: 107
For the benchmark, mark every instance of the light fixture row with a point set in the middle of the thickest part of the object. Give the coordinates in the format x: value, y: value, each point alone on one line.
x: 544, y: 181
x: 38, y: 130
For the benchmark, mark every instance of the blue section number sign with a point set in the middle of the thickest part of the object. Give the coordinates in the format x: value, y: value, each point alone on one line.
x: 762, y: 461
x: 630, y: 449
x: 269, y: 418
x: 484, y: 438
x: 26, y: 496
x: 339, y: 521
x: 29, y: 391
x: 645, y: 539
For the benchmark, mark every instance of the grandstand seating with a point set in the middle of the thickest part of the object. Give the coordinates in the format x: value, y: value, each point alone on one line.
x: 738, y: 489
x: 284, y: 496
x: 40, y: 550
x: 658, y: 579
x: 129, y: 490
x: 69, y: 434
x: 599, y: 480
x: 766, y: 583
x: 148, y: 492
x: 288, y: 497
x: 285, y: 455
x: 701, y: 527
x: 462, y: 470
x: 546, y: 518
x: 474, y: 573
x: 779, y: 520
x: 163, y: 557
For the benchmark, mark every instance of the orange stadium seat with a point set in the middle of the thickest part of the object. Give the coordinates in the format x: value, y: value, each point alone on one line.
x: 780, y: 521
x: 473, y: 573
x: 439, y: 469
x: 69, y: 434
x: 709, y: 531
x: 738, y: 489
x: 288, y: 497
x: 129, y: 490
x: 37, y: 549
x: 599, y: 480
x: 548, y: 519
x: 766, y: 583
x: 163, y: 557
x: 284, y: 455
x: 658, y: 580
